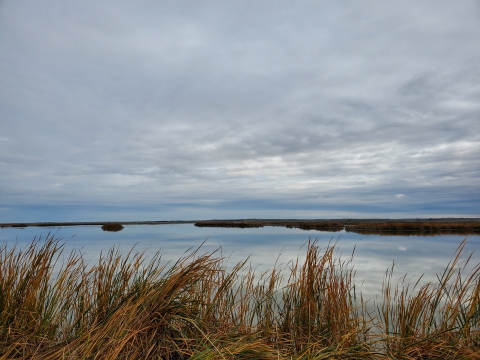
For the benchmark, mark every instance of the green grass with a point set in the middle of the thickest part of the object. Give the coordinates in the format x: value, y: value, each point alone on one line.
x: 124, y: 307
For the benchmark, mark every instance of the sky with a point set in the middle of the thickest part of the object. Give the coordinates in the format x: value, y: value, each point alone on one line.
x: 180, y: 110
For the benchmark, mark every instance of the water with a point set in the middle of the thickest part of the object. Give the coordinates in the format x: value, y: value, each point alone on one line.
x: 415, y: 255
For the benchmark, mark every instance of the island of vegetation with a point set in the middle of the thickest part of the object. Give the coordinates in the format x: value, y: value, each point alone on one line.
x: 363, y: 226
x: 112, y: 227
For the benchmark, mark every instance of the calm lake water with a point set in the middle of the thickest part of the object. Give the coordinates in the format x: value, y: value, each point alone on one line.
x: 415, y: 255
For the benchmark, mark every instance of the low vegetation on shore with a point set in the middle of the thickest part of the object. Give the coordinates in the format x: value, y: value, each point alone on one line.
x: 417, y: 228
x: 304, y: 225
x: 125, y: 307
x: 360, y: 227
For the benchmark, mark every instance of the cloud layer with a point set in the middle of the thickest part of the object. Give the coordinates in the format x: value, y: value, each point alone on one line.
x: 305, y: 107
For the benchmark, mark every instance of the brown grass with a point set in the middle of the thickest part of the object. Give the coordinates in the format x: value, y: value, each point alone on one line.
x: 123, y: 307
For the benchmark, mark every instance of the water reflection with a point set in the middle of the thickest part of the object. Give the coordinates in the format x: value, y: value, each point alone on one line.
x: 373, y: 254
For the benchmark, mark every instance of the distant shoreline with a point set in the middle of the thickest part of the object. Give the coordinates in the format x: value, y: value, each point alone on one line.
x: 427, y: 227
x: 470, y: 223
x: 92, y: 223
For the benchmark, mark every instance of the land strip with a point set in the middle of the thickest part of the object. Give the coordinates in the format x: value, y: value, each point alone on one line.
x: 463, y: 226
x: 93, y: 223
x: 430, y: 226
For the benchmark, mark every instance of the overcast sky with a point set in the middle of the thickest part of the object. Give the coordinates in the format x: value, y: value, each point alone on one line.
x: 160, y: 110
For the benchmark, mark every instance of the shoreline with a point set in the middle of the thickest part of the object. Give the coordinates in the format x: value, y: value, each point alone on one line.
x: 92, y: 223
x: 306, y: 224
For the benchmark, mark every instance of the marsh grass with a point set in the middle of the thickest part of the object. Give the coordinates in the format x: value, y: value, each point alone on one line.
x: 426, y: 228
x: 122, y: 306
x: 415, y: 228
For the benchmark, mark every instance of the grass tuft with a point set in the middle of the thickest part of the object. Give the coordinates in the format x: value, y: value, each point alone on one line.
x: 124, y: 307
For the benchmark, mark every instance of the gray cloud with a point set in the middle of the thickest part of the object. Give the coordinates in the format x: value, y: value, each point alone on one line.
x: 331, y: 105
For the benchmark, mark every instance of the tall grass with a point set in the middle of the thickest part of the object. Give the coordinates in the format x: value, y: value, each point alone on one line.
x: 61, y: 307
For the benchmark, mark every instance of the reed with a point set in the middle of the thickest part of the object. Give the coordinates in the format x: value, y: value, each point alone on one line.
x: 435, y: 320
x: 57, y: 306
